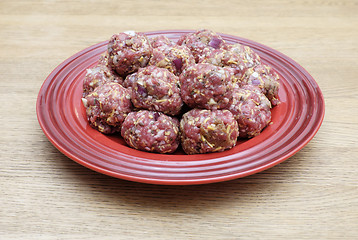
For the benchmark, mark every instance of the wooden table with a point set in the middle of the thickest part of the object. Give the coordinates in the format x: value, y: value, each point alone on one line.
x: 45, y: 195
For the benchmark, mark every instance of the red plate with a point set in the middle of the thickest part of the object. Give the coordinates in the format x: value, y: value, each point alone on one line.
x: 62, y: 117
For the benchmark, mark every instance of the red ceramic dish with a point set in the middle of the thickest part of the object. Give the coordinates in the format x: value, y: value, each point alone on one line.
x: 62, y: 117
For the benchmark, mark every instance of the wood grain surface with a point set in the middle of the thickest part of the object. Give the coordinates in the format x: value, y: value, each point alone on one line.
x: 45, y: 195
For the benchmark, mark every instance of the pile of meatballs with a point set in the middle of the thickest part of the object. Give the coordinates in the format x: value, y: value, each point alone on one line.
x: 199, y: 93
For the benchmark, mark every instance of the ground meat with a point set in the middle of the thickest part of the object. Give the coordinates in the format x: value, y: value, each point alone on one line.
x: 103, y: 60
x: 99, y: 75
x: 107, y: 106
x: 151, y: 131
x: 128, y: 52
x: 95, y: 77
x: 223, y: 58
x: 251, y: 109
x: 202, y: 42
x: 157, y: 89
x: 206, y: 86
x: 205, y: 131
x: 249, y: 58
x: 175, y: 58
x: 161, y: 40
x: 266, y: 79
x: 129, y: 80
x: 227, y: 59
x: 236, y: 56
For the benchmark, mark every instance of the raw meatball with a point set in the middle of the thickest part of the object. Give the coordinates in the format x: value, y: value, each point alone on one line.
x: 174, y: 58
x: 202, y: 42
x: 205, y: 131
x: 157, y: 89
x: 107, y: 106
x: 249, y: 58
x: 236, y: 56
x: 161, y: 40
x: 129, y: 51
x: 103, y: 61
x: 223, y: 58
x: 151, y: 131
x: 251, y: 109
x: 206, y: 86
x: 99, y: 75
x: 264, y: 77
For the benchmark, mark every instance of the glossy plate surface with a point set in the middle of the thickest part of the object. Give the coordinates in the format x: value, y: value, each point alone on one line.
x: 62, y: 117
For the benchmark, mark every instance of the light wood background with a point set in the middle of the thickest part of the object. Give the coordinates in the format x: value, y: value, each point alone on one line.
x: 45, y: 195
